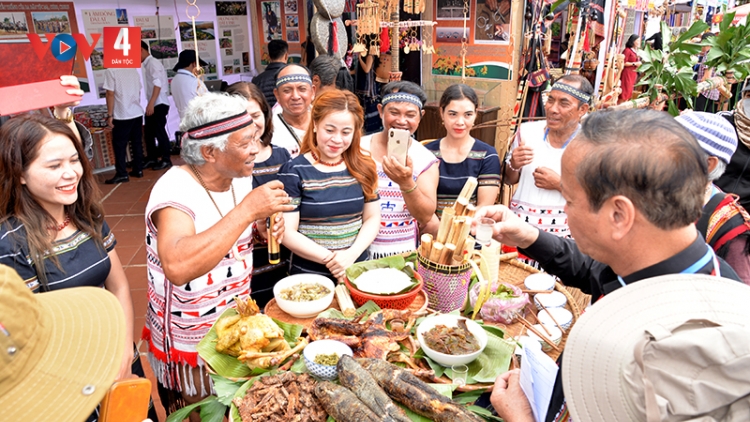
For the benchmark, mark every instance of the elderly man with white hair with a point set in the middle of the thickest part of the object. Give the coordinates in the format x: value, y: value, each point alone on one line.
x: 201, y: 220
x: 724, y: 223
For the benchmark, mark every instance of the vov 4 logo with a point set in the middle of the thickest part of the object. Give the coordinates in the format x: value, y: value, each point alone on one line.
x: 121, y: 46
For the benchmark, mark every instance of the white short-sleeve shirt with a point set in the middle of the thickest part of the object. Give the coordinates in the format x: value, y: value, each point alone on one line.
x: 185, y: 87
x: 126, y: 84
x: 154, y: 75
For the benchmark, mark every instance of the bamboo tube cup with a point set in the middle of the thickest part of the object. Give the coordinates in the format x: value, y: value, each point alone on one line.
x: 446, y: 221
x: 447, y: 254
x: 470, y: 211
x: 437, y: 250
x: 460, y: 205
x: 426, y: 245
x: 468, y: 189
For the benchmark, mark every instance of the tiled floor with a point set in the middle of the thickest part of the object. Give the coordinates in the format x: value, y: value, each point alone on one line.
x: 124, y: 206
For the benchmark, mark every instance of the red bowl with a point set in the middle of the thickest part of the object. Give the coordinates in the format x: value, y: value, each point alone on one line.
x: 401, y: 301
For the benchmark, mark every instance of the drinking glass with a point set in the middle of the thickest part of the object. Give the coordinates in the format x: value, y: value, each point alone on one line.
x: 459, y: 374
x: 484, y: 231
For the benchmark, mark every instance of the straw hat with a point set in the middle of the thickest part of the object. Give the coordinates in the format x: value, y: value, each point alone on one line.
x: 59, y: 351
x: 670, y: 348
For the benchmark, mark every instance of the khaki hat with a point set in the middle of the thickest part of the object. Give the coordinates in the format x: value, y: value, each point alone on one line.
x: 59, y: 351
x: 670, y: 348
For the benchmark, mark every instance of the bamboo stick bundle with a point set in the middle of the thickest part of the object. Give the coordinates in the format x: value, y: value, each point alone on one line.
x: 426, y: 245
x: 460, y: 205
x: 437, y: 250
x: 446, y: 221
x: 470, y: 211
x: 447, y: 255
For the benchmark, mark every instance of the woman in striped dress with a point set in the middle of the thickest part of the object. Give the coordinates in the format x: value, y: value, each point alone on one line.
x: 460, y: 154
x: 334, y: 188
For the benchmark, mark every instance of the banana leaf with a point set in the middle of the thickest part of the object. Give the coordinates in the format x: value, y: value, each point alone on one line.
x: 397, y: 262
x: 230, y: 366
x: 211, y: 410
x: 493, y: 361
x: 367, y: 308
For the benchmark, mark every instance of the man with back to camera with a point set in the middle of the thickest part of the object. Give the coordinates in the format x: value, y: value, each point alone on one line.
x: 125, y: 117
x: 294, y: 92
x: 278, y: 54
x: 632, y: 204
x: 323, y: 71
x: 185, y: 84
x: 157, y: 109
x: 736, y: 177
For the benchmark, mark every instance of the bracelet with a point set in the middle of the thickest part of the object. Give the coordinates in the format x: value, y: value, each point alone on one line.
x: 510, y: 166
x: 409, y: 190
x: 64, y: 119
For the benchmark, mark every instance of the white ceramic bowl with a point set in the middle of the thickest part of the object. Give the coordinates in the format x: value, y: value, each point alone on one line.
x: 527, y: 343
x: 539, y: 281
x: 556, y: 336
x: 550, y: 300
x: 303, y: 309
x: 325, y: 347
x: 451, y: 321
x: 562, y: 316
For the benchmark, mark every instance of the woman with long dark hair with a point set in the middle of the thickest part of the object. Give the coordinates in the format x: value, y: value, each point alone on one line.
x: 629, y: 73
x: 52, y: 228
x: 333, y: 185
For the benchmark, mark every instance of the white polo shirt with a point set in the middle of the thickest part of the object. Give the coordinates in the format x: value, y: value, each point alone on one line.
x: 126, y: 84
x: 283, y: 137
x: 185, y: 87
x: 154, y: 74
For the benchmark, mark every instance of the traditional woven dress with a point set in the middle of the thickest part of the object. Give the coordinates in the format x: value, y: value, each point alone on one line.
x: 482, y: 163
x: 330, y: 207
x: 178, y: 317
x: 399, y: 231
x: 543, y: 208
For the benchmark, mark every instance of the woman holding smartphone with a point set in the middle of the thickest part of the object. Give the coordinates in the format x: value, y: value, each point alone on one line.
x: 334, y: 188
x: 462, y: 156
x: 407, y: 172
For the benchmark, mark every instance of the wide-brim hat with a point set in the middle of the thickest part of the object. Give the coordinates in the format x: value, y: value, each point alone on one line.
x: 599, y: 361
x: 186, y: 58
x: 60, y: 351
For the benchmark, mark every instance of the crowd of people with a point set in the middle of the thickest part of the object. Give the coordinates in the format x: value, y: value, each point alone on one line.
x: 603, y: 200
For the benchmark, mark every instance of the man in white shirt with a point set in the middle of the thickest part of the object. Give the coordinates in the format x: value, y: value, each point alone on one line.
x: 185, y: 85
x: 125, y: 117
x: 157, y: 109
x: 294, y: 92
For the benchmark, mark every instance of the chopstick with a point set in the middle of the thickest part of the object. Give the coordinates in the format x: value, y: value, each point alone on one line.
x: 534, y: 292
x: 553, y: 319
x: 540, y: 335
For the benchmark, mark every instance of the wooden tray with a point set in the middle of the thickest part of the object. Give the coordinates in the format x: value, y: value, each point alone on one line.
x: 272, y: 309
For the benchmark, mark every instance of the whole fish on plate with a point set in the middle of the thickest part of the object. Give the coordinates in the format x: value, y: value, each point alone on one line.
x: 415, y: 393
x: 355, y: 378
x: 342, y: 404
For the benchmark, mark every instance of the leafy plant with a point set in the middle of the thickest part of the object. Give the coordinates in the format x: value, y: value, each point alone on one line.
x: 671, y: 69
x: 729, y: 48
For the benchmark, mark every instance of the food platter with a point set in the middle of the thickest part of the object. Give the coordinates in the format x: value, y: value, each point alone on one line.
x: 418, y: 307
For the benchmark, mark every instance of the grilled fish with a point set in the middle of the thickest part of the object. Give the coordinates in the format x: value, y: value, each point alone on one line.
x: 416, y: 394
x: 355, y: 378
x: 342, y: 404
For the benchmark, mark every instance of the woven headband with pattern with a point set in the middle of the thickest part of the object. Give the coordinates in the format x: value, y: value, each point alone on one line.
x: 401, y: 97
x: 220, y: 127
x: 573, y: 91
x: 293, y: 78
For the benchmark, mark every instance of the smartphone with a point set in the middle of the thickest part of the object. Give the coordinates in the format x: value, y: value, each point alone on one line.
x: 34, y: 96
x: 126, y: 401
x: 399, y: 141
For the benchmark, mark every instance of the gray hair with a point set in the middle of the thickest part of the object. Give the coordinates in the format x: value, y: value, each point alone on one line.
x: 203, y: 109
x: 326, y: 67
x: 721, y: 166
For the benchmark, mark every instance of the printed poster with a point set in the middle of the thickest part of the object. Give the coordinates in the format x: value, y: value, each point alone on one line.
x: 94, y: 21
x: 271, y: 20
x: 17, y: 19
x: 489, y: 48
x: 159, y: 35
x: 281, y: 23
x: 206, y: 36
x: 234, y: 37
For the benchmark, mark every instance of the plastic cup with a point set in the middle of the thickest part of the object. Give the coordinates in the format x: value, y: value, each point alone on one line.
x: 484, y: 231
x: 459, y: 374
